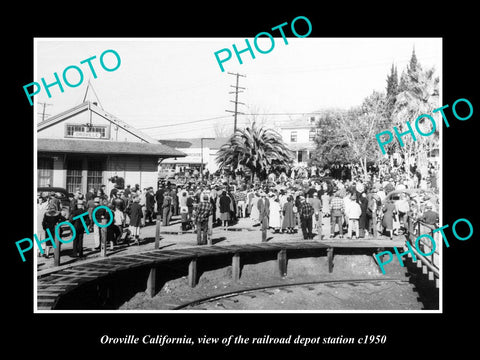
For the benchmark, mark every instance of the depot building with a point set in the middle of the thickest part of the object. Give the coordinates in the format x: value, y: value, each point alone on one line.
x: 85, y: 147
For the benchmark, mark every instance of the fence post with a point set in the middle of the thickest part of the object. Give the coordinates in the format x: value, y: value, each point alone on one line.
x: 282, y: 262
x: 157, y: 231
x: 103, y: 238
x: 236, y: 267
x: 151, y: 282
x: 330, y: 259
x: 192, y: 273
x: 56, y: 252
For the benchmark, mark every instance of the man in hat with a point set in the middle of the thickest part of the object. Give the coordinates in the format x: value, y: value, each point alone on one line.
x: 77, y: 250
x: 306, y: 212
x: 203, y: 212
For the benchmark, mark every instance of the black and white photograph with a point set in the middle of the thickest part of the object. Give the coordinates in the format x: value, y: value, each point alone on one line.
x: 240, y: 181
x: 288, y: 182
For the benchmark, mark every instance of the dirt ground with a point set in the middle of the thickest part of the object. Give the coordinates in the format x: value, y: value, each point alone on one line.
x: 335, y: 296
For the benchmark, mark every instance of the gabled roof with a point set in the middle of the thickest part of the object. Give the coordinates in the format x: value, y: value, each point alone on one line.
x: 89, y: 106
x: 106, y: 147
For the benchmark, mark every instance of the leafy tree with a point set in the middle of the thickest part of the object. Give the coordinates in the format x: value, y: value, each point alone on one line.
x: 349, y: 136
x: 331, y: 147
x: 258, y: 149
x: 360, y: 128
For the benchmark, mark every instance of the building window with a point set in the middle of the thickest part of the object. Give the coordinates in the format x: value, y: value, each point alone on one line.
x: 45, y: 172
x: 85, y: 131
x: 95, y: 174
x: 74, y: 175
x: 312, y: 134
x: 293, y: 136
x: 299, y: 156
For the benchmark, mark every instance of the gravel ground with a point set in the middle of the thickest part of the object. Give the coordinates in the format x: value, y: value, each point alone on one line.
x: 336, y: 296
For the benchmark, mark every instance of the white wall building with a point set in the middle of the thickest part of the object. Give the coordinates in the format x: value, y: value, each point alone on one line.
x: 299, y: 136
x: 193, y: 149
x: 83, y: 147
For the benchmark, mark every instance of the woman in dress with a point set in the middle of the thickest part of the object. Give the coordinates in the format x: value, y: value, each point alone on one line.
x: 136, y: 216
x: 288, y: 216
x: 325, y: 201
x: 275, y: 222
x: 224, y: 204
x: 388, y: 216
x: 254, y: 215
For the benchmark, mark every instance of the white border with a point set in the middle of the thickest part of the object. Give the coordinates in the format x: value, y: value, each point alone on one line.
x: 35, y: 308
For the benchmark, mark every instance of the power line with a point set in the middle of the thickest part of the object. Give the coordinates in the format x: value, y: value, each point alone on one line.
x: 183, y: 123
x: 227, y: 116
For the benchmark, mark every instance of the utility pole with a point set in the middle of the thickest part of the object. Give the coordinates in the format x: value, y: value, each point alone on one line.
x: 43, y: 112
x: 236, y: 92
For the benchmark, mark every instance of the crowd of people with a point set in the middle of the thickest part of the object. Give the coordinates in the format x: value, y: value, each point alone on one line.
x: 355, y: 207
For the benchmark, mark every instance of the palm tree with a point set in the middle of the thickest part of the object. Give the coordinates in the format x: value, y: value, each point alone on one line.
x: 258, y: 149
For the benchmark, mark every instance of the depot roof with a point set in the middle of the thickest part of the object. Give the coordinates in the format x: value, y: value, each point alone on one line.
x: 106, y: 147
x: 185, y: 143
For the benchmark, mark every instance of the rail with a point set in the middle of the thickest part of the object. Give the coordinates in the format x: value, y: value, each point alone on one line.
x: 230, y: 294
x: 430, y: 263
x: 57, y: 287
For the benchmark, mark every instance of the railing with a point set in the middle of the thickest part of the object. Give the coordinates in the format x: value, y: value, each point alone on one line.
x: 429, y: 259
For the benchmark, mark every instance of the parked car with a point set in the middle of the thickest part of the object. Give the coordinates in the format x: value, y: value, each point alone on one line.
x: 395, y: 195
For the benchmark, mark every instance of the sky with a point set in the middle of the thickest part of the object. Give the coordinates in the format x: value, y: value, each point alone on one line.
x: 174, y: 87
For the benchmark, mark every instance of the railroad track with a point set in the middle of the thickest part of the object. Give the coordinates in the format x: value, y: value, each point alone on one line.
x: 269, y: 290
x: 54, y: 285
